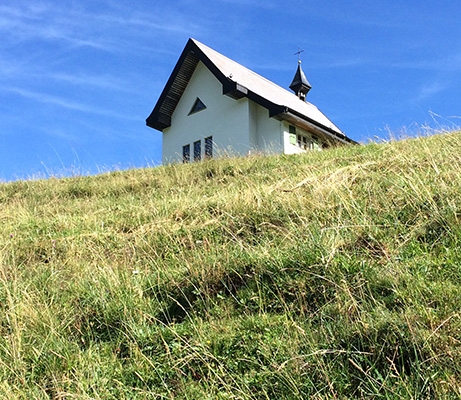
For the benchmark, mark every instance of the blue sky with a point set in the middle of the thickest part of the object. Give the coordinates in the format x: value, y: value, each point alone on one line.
x: 79, y: 78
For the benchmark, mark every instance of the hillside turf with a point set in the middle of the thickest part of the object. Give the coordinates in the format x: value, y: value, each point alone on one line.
x: 329, y: 275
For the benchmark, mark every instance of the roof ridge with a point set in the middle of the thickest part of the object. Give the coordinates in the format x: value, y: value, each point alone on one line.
x: 248, y: 70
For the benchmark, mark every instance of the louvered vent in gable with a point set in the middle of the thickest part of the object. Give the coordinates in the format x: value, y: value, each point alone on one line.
x: 198, y: 106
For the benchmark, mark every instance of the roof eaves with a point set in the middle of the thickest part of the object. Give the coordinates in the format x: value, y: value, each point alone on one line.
x: 273, y: 108
x: 160, y: 117
x: 237, y: 91
x: 281, y: 111
x: 234, y: 89
x: 327, y: 130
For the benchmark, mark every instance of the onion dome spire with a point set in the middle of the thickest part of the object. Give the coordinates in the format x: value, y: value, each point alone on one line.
x: 300, y: 85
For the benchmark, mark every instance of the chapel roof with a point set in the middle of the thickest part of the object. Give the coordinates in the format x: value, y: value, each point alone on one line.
x: 237, y: 82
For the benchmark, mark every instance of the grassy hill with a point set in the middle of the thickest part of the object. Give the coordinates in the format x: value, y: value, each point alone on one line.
x: 330, y: 275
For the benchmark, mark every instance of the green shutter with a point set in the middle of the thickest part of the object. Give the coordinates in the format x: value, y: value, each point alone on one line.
x: 292, y: 130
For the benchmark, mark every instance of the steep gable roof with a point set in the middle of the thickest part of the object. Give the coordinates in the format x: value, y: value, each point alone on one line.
x: 237, y: 82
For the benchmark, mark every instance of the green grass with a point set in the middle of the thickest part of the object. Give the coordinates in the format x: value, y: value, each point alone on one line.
x: 330, y: 275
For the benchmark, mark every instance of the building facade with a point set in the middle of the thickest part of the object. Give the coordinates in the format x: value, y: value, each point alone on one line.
x: 213, y: 106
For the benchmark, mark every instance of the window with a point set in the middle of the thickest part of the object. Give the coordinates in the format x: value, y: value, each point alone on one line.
x: 197, y: 150
x: 186, y: 153
x: 303, y: 142
x: 198, y: 106
x: 209, y: 147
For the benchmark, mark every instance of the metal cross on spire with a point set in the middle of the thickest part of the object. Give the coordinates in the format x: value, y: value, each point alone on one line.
x: 298, y: 54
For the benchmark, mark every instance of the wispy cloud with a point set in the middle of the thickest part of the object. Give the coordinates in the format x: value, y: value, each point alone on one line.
x: 97, y: 81
x: 253, y: 3
x: 46, y: 98
x: 431, y: 88
x: 25, y: 72
x: 25, y: 23
x: 171, y: 22
x: 447, y: 63
x: 49, y: 42
x: 103, y: 30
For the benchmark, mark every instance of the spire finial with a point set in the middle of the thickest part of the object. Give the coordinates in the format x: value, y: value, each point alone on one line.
x: 298, y: 53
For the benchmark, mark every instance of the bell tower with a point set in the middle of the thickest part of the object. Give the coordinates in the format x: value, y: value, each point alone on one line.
x: 300, y: 85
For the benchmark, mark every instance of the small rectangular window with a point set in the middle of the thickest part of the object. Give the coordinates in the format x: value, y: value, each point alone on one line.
x: 305, y: 145
x: 186, y: 153
x: 197, y: 150
x: 209, y: 147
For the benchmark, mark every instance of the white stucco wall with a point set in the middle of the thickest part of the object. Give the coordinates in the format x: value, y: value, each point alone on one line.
x: 288, y: 147
x: 225, y: 119
x: 238, y: 127
x: 269, y: 131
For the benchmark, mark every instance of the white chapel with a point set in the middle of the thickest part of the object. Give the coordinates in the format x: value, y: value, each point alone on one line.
x: 212, y: 105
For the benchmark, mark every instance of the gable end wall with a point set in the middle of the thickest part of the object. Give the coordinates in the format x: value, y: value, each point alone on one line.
x: 225, y: 119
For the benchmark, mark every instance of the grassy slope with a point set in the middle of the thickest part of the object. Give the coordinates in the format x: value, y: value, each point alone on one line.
x: 327, y: 275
